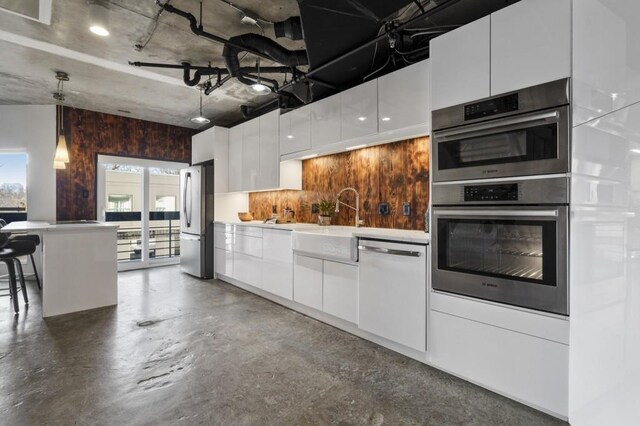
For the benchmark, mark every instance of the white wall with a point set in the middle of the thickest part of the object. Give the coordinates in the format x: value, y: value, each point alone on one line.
x: 32, y: 128
x: 228, y: 205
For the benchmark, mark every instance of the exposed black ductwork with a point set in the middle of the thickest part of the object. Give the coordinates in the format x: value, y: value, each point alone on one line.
x: 253, y: 112
x: 264, y: 45
x: 290, y: 28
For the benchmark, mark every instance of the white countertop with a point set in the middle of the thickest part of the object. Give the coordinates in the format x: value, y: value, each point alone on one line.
x: 26, y: 226
x: 402, y: 235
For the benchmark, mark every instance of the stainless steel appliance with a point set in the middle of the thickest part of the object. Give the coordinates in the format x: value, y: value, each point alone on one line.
x: 392, y: 300
x: 504, y: 241
x: 196, y: 220
x: 521, y: 133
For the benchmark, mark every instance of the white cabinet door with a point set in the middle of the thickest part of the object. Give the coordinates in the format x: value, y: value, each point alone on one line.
x: 202, y: 146
x: 223, y: 262
x: 247, y: 269
x: 359, y: 110
x: 277, y: 263
x: 235, y: 158
x: 530, y: 44
x: 221, y: 159
x: 340, y: 290
x: 460, y: 64
x: 403, y: 98
x: 325, y: 121
x: 307, y: 281
x: 251, y: 154
x: 269, y: 177
x: 295, y: 130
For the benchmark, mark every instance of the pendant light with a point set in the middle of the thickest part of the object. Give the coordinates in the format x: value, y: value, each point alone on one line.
x: 98, y: 18
x: 258, y: 88
x: 62, y: 153
x: 200, y: 119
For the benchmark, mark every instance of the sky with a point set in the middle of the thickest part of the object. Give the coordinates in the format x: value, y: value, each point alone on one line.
x: 13, y: 168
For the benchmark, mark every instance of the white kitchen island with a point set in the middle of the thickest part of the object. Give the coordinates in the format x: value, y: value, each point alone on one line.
x: 79, y: 264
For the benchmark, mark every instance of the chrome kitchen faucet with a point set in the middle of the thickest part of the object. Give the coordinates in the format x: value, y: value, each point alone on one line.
x: 356, y: 208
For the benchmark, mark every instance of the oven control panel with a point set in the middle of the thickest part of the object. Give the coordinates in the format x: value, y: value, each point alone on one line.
x: 496, y: 192
x: 508, y: 103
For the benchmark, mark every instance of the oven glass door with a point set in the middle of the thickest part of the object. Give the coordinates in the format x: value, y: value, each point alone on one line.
x: 512, y: 255
x: 519, y: 250
x: 530, y: 144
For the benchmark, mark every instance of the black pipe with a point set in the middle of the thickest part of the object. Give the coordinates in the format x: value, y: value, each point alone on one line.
x: 252, y: 112
x: 219, y: 83
x: 204, y: 69
x: 290, y: 28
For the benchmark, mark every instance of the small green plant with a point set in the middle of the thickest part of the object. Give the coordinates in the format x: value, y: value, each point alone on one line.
x: 326, y: 207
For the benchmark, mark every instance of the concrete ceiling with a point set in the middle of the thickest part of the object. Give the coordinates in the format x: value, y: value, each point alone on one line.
x: 100, y: 77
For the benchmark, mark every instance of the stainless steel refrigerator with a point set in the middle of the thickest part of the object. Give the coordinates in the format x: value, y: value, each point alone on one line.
x: 196, y: 220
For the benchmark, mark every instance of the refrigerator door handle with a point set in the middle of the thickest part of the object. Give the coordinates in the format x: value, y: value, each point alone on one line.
x: 187, y: 215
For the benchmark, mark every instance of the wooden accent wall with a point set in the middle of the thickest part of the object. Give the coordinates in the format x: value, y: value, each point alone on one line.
x: 392, y: 173
x: 91, y: 133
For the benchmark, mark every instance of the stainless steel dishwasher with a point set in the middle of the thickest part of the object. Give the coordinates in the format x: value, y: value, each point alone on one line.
x: 393, y: 291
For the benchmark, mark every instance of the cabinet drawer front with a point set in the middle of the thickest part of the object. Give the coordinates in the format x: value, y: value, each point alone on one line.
x: 223, y: 240
x: 253, y: 231
x: 248, y: 245
x: 223, y: 262
x: 247, y: 269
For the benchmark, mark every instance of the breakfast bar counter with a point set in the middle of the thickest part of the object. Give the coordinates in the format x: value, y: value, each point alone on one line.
x: 79, y: 264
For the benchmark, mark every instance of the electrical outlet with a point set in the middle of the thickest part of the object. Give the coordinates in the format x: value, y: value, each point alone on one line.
x: 406, y: 209
x: 383, y: 208
x: 315, y: 208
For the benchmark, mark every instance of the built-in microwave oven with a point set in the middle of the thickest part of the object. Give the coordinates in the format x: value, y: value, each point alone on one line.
x: 521, y: 133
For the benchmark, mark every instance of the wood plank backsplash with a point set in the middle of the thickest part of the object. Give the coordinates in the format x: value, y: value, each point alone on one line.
x: 91, y: 133
x: 394, y: 173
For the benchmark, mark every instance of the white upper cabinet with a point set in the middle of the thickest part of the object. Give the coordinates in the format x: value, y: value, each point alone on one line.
x: 606, y: 57
x: 530, y: 44
x: 251, y: 155
x: 295, y: 130
x: 403, y: 98
x: 269, y: 176
x: 460, y: 64
x: 235, y: 158
x: 213, y: 144
x: 359, y: 110
x: 325, y: 121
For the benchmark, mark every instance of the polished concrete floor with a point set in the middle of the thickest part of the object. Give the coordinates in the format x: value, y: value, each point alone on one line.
x: 180, y: 350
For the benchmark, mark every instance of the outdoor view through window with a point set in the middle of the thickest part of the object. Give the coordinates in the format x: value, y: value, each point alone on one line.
x: 13, y: 181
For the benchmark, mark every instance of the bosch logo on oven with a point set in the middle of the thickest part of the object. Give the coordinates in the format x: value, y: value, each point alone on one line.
x: 489, y: 285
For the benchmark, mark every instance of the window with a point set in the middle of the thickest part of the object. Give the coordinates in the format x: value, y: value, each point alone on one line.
x: 165, y: 203
x: 13, y: 181
x: 119, y: 203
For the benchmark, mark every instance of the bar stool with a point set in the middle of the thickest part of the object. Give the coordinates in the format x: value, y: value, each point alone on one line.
x: 29, y: 237
x: 9, y: 254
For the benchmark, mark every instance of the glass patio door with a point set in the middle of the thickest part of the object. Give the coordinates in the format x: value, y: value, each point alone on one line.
x: 142, y: 197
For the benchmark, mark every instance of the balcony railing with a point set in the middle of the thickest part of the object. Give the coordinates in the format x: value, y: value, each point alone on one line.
x: 164, y: 235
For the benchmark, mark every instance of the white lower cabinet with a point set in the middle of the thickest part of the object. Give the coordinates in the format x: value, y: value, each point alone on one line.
x: 277, y: 263
x: 307, y: 281
x: 223, y: 262
x: 247, y: 256
x: 340, y: 290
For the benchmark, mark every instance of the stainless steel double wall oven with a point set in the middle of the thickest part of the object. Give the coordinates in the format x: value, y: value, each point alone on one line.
x: 500, y: 198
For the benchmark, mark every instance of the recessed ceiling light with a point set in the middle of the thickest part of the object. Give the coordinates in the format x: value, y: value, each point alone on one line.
x: 98, y: 18
x: 362, y: 118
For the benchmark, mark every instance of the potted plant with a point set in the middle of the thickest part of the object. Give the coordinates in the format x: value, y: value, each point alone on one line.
x: 326, y: 208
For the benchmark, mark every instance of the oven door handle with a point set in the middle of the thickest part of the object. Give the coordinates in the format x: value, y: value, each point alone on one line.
x: 472, y: 129
x: 501, y: 213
